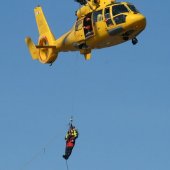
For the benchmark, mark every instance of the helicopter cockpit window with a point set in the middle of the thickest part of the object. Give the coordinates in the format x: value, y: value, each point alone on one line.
x: 108, y: 17
x: 118, y: 9
x: 97, y: 16
x: 132, y: 8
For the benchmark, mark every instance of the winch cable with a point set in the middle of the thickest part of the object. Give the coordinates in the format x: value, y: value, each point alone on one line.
x: 67, y: 165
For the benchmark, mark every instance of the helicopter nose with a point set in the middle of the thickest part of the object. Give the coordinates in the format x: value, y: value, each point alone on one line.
x: 137, y: 21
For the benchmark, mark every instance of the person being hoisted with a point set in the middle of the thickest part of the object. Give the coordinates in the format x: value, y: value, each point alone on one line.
x: 70, y: 138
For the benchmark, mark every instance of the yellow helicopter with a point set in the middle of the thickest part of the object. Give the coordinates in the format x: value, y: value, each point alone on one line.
x: 99, y: 24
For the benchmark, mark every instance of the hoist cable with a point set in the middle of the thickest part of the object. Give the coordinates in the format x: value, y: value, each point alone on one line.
x: 67, y: 165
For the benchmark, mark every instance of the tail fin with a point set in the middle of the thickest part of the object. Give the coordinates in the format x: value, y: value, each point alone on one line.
x: 43, y: 28
x: 32, y: 48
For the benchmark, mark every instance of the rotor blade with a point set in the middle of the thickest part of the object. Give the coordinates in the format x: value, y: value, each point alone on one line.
x: 82, y: 2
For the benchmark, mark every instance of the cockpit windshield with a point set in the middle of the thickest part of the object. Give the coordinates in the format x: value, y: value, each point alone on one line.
x: 132, y: 8
x: 117, y: 9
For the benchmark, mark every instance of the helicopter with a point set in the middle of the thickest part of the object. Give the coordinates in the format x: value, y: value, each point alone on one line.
x: 99, y: 24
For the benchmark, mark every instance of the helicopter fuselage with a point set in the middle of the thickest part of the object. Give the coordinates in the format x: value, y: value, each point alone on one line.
x: 107, y: 26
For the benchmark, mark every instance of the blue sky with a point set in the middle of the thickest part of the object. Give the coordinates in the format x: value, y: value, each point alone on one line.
x: 120, y: 99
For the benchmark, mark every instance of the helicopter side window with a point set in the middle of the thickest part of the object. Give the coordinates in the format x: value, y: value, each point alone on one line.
x: 107, y: 17
x: 118, y: 9
x: 132, y: 8
x: 97, y: 16
x: 79, y: 25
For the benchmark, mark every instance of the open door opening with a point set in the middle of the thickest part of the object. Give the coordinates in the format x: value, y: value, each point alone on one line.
x: 88, y: 28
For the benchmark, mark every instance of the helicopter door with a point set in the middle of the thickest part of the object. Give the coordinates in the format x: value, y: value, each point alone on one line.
x: 79, y: 31
x: 107, y: 15
x: 98, y: 22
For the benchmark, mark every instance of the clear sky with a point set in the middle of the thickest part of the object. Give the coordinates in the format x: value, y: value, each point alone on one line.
x: 120, y: 99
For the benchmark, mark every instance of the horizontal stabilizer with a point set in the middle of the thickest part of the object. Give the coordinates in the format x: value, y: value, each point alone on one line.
x: 32, y: 48
x: 45, y: 46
